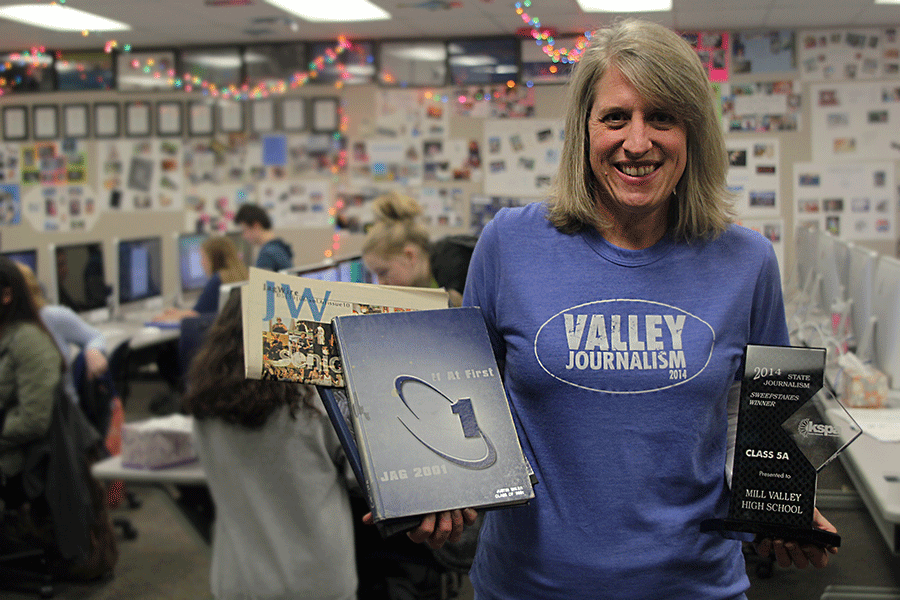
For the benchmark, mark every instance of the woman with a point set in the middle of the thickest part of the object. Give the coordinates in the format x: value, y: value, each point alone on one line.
x: 68, y: 329
x: 30, y: 370
x: 635, y: 254
x: 397, y: 250
x: 277, y: 475
x: 220, y: 260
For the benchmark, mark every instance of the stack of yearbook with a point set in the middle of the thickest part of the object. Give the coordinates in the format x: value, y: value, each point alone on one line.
x: 411, y: 387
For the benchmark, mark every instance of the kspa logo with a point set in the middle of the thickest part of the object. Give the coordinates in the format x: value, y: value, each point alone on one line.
x: 624, y: 346
x: 463, y: 409
x: 807, y: 427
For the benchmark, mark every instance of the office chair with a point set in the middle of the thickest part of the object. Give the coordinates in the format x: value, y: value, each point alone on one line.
x: 48, y: 527
x: 95, y: 399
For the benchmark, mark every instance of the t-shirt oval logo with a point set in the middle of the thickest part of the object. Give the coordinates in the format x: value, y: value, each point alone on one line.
x: 624, y: 346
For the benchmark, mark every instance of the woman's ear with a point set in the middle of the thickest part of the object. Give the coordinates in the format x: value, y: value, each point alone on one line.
x: 412, y: 253
x: 6, y: 295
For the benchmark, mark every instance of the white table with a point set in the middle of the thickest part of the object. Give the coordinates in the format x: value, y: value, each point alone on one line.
x: 874, y: 468
x: 191, y: 474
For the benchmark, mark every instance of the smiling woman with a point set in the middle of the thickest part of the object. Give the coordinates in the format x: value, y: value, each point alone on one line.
x: 663, y: 77
x: 620, y: 310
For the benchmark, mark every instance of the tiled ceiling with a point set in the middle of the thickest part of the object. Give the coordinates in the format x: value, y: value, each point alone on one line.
x: 168, y: 23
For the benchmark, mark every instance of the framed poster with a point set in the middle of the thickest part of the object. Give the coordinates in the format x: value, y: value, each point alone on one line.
x: 200, y: 118
x: 169, y: 118
x: 107, y: 120
x: 293, y: 114
x: 75, y: 121
x: 45, y: 121
x: 231, y: 116
x: 262, y: 116
x: 15, y: 123
x: 325, y: 117
x: 137, y: 119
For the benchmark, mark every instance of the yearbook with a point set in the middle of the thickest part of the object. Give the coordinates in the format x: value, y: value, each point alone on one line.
x: 287, y: 322
x: 338, y: 409
x: 430, y: 418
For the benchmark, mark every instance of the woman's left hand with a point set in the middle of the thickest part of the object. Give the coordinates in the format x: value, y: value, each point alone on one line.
x: 95, y: 363
x: 790, y: 552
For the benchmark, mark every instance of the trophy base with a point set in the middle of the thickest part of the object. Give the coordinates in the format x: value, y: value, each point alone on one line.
x: 819, y: 537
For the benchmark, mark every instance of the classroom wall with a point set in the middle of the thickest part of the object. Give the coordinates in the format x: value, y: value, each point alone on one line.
x: 358, y: 103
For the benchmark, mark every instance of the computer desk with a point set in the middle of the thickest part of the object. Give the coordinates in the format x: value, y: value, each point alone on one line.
x: 874, y: 468
x: 872, y: 465
x: 133, y: 328
x: 164, y: 480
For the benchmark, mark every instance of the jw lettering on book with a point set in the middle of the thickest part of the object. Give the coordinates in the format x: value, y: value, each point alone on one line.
x: 287, y: 322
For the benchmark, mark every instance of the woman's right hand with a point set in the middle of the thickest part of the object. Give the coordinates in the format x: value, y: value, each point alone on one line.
x: 436, y: 529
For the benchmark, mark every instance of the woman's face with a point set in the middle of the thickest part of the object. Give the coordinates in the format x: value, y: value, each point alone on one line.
x: 205, y: 262
x: 638, y: 151
x: 401, y: 268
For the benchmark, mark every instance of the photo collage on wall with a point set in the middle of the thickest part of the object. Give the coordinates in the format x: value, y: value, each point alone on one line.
x: 855, y: 121
x: 521, y: 157
x: 851, y: 200
x: 854, y: 54
x: 761, y: 107
x: 753, y: 176
x: 54, y: 190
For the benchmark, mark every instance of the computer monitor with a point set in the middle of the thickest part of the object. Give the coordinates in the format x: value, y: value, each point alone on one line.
x: 886, y: 310
x: 860, y: 286
x: 25, y: 257
x: 80, y: 277
x: 190, y: 262
x: 325, y: 270
x: 353, y: 270
x: 842, y: 260
x: 140, y: 271
x: 244, y: 249
x: 832, y: 290
x: 806, y: 255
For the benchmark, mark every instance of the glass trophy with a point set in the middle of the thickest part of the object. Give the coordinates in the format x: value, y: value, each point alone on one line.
x: 782, y: 443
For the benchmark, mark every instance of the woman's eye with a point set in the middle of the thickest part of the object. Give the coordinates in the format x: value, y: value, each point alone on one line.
x: 614, y: 119
x: 663, y: 118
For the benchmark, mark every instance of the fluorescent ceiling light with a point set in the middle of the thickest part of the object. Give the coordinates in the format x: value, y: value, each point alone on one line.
x: 318, y: 11
x: 617, y: 6
x: 60, y: 18
x: 887, y: 1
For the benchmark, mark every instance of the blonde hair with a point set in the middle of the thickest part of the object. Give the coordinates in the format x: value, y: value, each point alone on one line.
x: 396, y: 226
x: 33, y: 285
x: 666, y: 71
x: 223, y: 259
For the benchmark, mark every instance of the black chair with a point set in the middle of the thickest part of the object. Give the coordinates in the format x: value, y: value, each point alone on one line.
x: 47, y: 508
x: 95, y: 398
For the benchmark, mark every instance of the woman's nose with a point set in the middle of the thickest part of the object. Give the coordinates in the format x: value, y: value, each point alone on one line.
x: 637, y: 137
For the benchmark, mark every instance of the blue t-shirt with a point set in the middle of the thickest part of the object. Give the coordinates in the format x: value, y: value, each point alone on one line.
x: 275, y: 255
x: 617, y: 367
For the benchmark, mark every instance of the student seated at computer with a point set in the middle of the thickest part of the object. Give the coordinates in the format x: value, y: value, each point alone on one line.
x: 256, y: 227
x: 68, y: 329
x: 397, y: 249
x: 30, y: 369
x: 46, y: 490
x: 219, y: 258
x: 277, y: 474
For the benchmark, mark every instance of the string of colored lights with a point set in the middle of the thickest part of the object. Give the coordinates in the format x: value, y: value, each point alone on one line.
x: 544, y: 38
x: 189, y: 82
